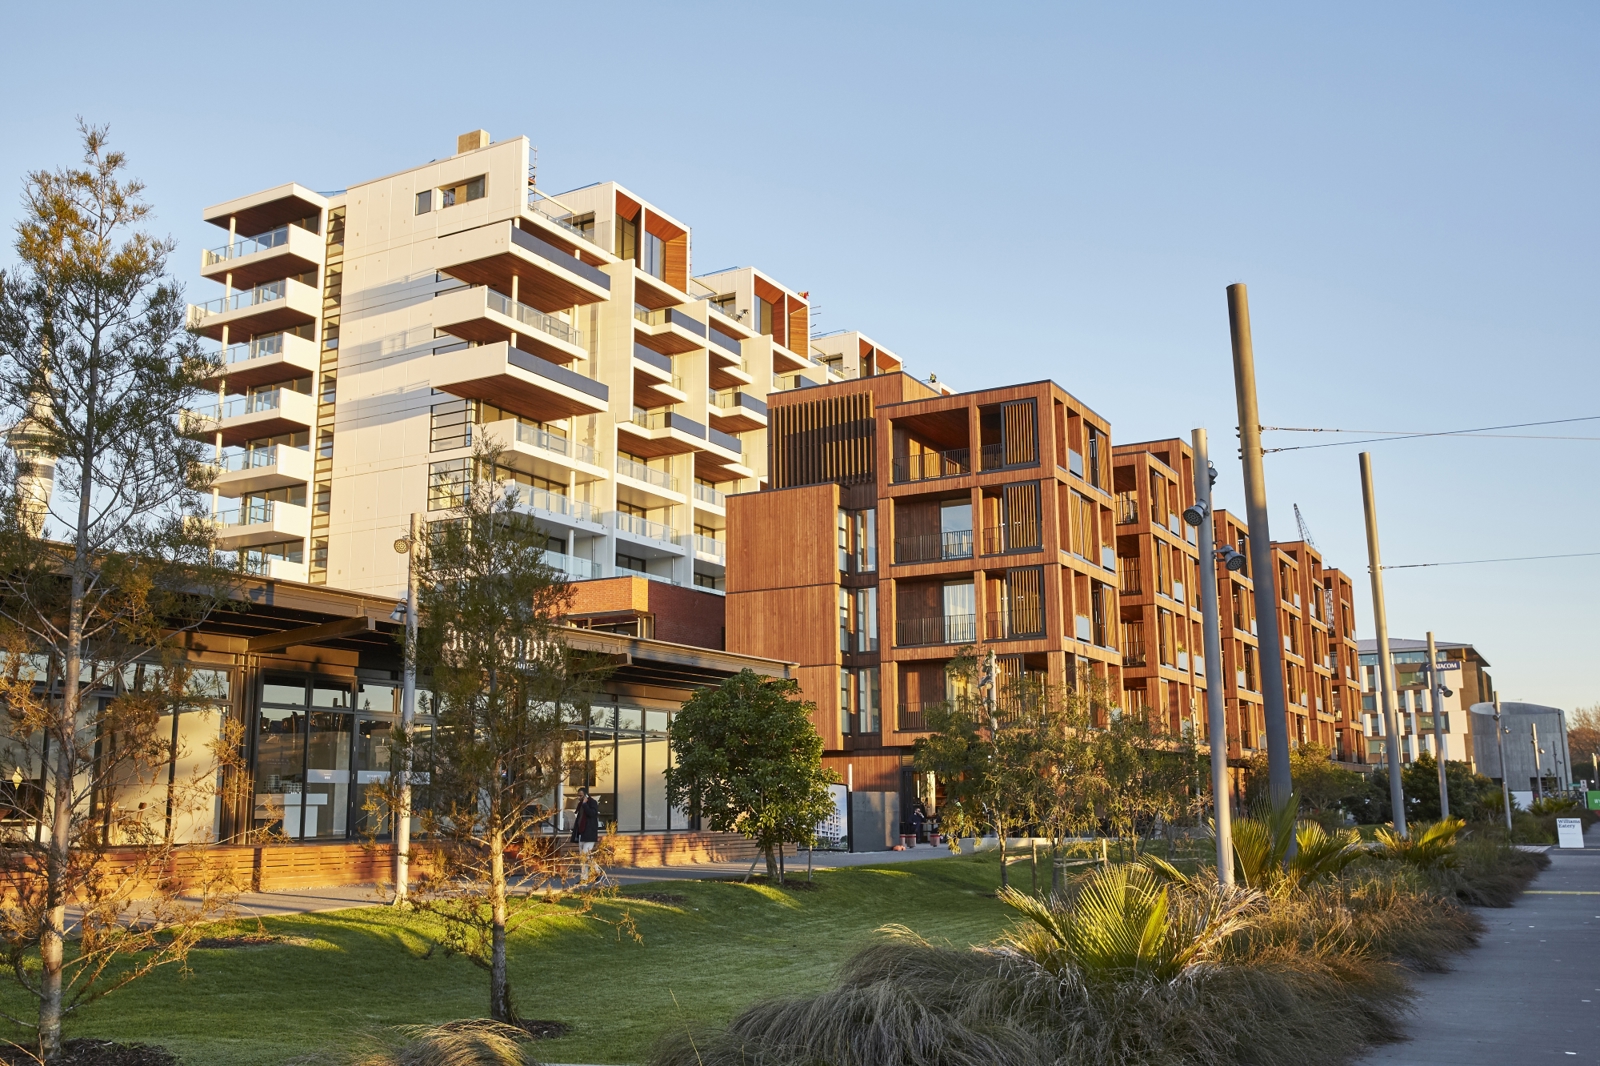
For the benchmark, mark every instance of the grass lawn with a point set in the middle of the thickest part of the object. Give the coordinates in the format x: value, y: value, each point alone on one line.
x: 724, y: 946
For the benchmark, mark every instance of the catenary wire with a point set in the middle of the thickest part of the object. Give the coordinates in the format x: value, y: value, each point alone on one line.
x: 1485, y: 430
x: 1474, y: 562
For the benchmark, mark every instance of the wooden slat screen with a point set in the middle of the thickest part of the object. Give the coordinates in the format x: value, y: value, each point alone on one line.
x: 1025, y: 593
x: 1021, y: 432
x: 1023, y: 528
x: 677, y: 261
x: 799, y: 331
x: 828, y: 440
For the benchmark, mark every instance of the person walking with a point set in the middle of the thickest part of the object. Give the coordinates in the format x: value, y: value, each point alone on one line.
x: 585, y: 830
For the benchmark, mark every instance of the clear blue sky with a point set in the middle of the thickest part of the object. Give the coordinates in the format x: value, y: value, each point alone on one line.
x: 1004, y: 193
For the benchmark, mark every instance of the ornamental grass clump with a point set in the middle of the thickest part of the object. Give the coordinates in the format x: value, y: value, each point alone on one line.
x: 1275, y: 852
x: 1124, y: 967
x: 1488, y: 872
x: 483, y: 1044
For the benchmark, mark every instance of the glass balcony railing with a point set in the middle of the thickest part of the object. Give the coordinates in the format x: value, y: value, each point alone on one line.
x: 253, y: 403
x: 643, y: 527
x: 261, y: 294
x: 255, y: 348
x: 534, y: 318
x: 555, y: 503
x: 571, y: 565
x: 249, y: 246
x: 544, y: 440
x: 649, y: 475
x: 548, y: 209
x: 249, y: 513
x: 250, y: 459
x: 704, y: 545
x: 707, y: 494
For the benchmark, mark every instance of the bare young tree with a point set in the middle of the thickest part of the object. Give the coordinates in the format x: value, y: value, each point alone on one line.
x: 102, y: 567
x: 507, y: 690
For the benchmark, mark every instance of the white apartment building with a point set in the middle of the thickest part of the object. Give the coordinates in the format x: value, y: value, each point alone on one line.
x: 374, y: 336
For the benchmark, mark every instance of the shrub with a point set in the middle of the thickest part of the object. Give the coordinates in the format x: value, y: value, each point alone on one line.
x: 452, y: 1044
x: 1489, y: 872
x: 1261, y: 849
x: 1427, y: 846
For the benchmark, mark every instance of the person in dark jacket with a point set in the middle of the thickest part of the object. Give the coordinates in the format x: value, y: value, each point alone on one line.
x: 585, y: 829
x: 919, y: 821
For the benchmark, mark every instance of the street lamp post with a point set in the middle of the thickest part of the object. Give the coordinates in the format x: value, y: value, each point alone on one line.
x: 1500, y: 741
x: 1199, y: 516
x: 408, y: 713
x: 1436, y: 701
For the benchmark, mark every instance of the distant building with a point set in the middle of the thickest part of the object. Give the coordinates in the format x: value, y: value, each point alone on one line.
x: 1523, y: 722
x: 1469, y: 682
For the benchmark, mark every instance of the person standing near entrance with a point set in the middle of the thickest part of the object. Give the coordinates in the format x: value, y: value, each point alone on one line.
x: 585, y: 829
x: 919, y: 820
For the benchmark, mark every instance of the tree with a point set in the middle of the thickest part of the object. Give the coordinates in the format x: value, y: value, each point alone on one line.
x: 506, y: 688
x: 1149, y: 774
x: 1583, y: 742
x: 102, y: 568
x: 1324, y: 788
x: 746, y: 759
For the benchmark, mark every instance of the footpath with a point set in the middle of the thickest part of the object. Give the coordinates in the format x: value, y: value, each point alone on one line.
x: 317, y: 900
x: 1530, y: 992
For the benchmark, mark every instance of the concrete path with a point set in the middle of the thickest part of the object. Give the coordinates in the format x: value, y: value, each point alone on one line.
x: 1530, y: 992
x: 318, y: 900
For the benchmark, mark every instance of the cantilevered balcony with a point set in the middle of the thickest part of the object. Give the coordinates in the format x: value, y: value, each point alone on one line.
x: 654, y: 383
x: 655, y: 539
x: 277, y: 253
x: 260, y: 469
x: 257, y: 522
x: 252, y: 416
x: 556, y: 513
x: 668, y: 331
x: 549, y: 278
x: 516, y: 381
x: 484, y: 315
x: 646, y: 485
x: 733, y: 411
x: 653, y: 433
x: 264, y: 360
x: 277, y: 305
x: 539, y: 451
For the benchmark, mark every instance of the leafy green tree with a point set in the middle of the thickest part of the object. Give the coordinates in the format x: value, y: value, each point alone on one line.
x: 506, y: 688
x: 1326, y: 790
x: 746, y: 759
x: 102, y: 567
x: 1149, y: 774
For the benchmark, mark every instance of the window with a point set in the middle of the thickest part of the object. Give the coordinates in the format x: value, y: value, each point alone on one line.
x: 424, y: 201
x: 630, y: 562
x: 450, y: 425
x: 448, y: 483
x: 627, y: 243
x: 464, y: 193
x: 764, y: 317
x: 653, y: 261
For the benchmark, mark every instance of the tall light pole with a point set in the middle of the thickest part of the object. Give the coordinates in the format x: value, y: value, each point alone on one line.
x: 1436, y: 701
x: 408, y: 714
x: 1274, y: 705
x: 1397, y: 795
x: 1199, y: 516
x: 1538, y: 763
x: 1500, y: 741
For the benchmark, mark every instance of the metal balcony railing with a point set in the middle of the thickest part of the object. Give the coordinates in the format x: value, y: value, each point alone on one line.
x: 651, y: 476
x: 1014, y: 625
x: 948, y: 629
x: 533, y: 318
x: 1127, y: 508
x: 934, y: 547
x: 1130, y: 575
x: 1133, y: 652
x: 910, y: 717
x: 929, y: 465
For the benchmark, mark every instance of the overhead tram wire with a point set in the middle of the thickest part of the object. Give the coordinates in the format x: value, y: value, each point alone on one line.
x: 1485, y: 431
x: 1507, y: 559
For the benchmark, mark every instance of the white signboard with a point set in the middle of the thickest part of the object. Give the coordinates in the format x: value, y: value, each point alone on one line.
x: 1522, y: 798
x: 1569, y: 832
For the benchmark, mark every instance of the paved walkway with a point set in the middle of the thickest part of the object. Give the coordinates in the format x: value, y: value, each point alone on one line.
x: 317, y: 900
x: 1530, y: 992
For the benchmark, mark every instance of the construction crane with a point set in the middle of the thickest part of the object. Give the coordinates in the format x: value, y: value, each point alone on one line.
x: 1305, y: 530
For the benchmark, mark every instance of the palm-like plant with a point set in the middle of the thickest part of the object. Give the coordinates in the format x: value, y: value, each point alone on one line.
x: 1431, y: 847
x: 1125, y: 923
x: 1263, y: 856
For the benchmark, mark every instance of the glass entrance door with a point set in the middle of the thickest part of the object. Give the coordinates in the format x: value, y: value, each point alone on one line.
x: 328, y: 742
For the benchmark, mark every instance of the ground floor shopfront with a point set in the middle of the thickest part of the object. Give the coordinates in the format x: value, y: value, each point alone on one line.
x: 307, y: 681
